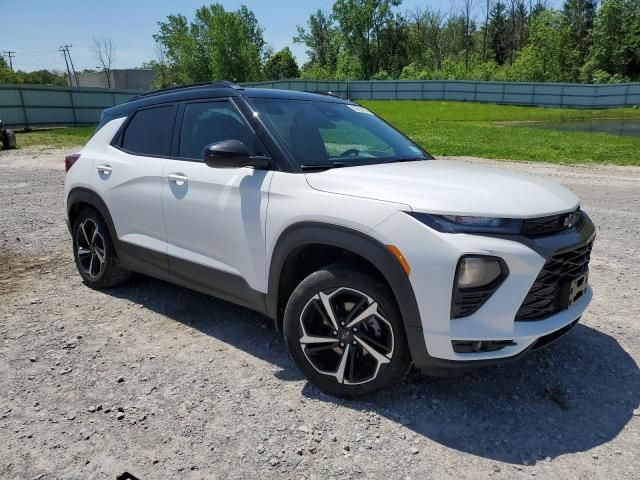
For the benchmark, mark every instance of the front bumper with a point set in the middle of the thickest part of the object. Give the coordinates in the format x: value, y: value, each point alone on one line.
x: 433, y: 257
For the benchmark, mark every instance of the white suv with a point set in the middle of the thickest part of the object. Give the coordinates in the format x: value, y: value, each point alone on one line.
x: 369, y: 255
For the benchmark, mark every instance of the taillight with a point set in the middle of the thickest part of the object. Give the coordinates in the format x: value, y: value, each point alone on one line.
x: 69, y: 160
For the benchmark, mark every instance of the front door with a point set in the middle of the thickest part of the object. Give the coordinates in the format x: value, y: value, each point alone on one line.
x: 215, y: 217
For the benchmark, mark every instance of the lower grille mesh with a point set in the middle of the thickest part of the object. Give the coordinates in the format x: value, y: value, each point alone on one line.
x: 544, y: 297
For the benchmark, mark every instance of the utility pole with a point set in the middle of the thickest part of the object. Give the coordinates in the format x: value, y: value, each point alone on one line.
x: 10, y: 55
x: 75, y: 74
x: 64, y: 53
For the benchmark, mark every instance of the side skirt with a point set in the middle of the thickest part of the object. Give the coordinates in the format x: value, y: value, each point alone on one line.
x: 217, y: 283
x: 193, y: 276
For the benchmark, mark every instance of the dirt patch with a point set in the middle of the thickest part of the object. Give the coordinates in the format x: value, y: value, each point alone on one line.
x: 17, y: 269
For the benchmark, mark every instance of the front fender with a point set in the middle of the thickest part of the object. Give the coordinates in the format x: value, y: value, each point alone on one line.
x: 359, y: 244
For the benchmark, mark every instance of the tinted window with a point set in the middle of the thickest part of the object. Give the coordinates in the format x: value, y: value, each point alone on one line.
x: 209, y: 122
x: 321, y: 132
x: 149, y: 132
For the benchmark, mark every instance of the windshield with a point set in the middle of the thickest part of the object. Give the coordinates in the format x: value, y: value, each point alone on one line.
x: 325, y: 134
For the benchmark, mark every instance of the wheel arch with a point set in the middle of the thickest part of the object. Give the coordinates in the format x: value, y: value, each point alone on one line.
x: 79, y: 198
x: 355, y: 244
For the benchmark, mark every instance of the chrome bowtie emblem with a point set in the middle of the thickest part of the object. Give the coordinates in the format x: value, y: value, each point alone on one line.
x: 571, y: 219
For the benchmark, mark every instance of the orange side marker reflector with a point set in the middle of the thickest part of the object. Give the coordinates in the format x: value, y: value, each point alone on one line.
x: 403, y: 261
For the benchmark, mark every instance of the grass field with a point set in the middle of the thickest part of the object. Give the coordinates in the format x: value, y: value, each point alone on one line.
x: 456, y: 128
x: 55, y: 137
x: 473, y: 129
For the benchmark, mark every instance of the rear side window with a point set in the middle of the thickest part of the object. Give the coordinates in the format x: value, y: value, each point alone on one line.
x: 210, y: 122
x: 149, y: 131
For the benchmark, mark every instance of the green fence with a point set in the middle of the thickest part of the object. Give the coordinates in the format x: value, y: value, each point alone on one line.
x: 568, y: 95
x: 41, y: 106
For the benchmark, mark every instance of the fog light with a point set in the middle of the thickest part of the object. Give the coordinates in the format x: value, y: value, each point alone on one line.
x: 474, y: 271
x: 477, y: 278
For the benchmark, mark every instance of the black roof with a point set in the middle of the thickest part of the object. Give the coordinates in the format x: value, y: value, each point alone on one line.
x: 214, y: 90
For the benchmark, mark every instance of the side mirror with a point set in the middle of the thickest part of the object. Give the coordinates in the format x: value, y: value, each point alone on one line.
x: 232, y: 154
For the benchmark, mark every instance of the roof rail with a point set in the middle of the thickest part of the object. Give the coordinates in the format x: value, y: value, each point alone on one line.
x: 214, y: 84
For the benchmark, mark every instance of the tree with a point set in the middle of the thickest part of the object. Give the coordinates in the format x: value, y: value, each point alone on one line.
x: 349, y: 67
x: 38, y: 77
x: 579, y: 16
x: 546, y: 58
x: 469, y: 28
x: 485, y: 29
x: 321, y: 39
x: 313, y: 71
x: 631, y: 27
x: 217, y: 44
x: 425, y: 38
x: 615, y: 42
x: 516, y: 27
x: 281, y: 65
x: 104, y: 52
x: 362, y: 23
x: 44, y: 77
x: 537, y: 8
x: 608, y: 52
x: 498, y: 32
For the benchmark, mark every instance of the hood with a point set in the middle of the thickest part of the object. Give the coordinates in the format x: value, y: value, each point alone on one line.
x: 450, y: 187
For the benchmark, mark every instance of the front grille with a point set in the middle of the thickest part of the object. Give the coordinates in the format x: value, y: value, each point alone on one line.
x: 545, y: 296
x: 551, y: 225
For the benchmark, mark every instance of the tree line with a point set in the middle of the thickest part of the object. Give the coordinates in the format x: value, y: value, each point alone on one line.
x: 514, y: 40
x: 38, y: 77
x: 517, y: 40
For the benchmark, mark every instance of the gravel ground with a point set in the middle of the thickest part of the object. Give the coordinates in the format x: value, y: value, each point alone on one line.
x: 161, y: 382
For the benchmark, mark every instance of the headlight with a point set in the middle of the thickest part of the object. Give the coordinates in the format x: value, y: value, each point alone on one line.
x: 467, y: 224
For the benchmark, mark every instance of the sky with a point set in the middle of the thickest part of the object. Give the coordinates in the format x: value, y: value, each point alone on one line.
x: 35, y: 29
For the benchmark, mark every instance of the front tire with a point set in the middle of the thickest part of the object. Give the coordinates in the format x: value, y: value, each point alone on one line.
x: 344, y: 332
x: 93, y: 252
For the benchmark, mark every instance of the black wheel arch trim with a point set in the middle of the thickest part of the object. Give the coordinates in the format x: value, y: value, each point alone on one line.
x: 365, y: 246
x: 90, y: 197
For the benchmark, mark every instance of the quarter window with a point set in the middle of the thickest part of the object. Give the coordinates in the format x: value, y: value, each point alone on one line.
x: 149, y: 132
x: 209, y: 122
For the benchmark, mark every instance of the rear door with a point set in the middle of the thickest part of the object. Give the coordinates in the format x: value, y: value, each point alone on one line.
x: 130, y: 178
x: 215, y: 217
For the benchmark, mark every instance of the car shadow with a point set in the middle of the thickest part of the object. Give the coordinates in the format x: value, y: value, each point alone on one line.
x: 570, y: 397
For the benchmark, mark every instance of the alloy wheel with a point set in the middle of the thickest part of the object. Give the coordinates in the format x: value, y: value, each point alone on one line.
x: 90, y: 249
x: 344, y: 334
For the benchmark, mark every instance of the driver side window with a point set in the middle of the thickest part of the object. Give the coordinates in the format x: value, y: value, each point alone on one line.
x: 204, y: 123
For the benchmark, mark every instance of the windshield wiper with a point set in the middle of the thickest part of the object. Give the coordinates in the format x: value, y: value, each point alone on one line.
x: 321, y: 166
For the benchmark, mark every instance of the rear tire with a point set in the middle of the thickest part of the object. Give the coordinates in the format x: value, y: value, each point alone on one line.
x: 8, y: 139
x: 344, y: 332
x: 93, y: 252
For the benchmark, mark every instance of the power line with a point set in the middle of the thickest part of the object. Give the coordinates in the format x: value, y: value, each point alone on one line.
x: 10, y: 55
x: 38, y: 54
x: 39, y: 64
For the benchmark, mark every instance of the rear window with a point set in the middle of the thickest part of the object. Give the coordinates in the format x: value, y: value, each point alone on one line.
x: 149, y: 131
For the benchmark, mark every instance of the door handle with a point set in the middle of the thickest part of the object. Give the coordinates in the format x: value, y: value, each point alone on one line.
x: 177, y: 178
x: 104, y: 169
